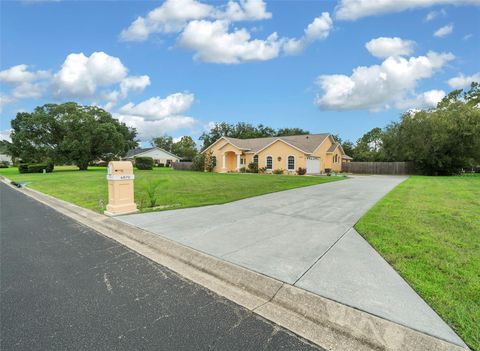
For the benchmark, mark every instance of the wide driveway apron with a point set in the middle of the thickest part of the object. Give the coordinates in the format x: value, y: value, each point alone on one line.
x: 305, y: 237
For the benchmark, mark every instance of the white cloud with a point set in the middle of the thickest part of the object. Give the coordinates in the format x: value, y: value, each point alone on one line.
x: 157, y: 116
x: 170, y: 17
x: 20, y: 74
x: 149, y: 129
x: 434, y: 14
x: 461, y: 81
x: 245, y: 10
x: 467, y: 36
x: 384, y: 47
x: 428, y: 99
x: 80, y: 75
x: 212, y: 42
x: 377, y: 87
x: 319, y: 29
x: 173, y: 15
x: 134, y: 83
x: 355, y: 9
x: 157, y: 108
x: 24, y: 83
x: 443, y: 31
x: 5, y: 134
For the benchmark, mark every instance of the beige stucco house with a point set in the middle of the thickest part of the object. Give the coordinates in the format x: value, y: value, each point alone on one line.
x: 315, y: 152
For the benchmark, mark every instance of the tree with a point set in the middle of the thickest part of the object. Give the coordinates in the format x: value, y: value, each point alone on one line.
x: 347, y: 145
x: 291, y: 131
x: 69, y: 133
x: 185, y: 147
x: 370, y: 146
x: 441, y: 141
x: 164, y: 142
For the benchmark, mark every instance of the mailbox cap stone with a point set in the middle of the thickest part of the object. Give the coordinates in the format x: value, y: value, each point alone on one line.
x: 120, y: 167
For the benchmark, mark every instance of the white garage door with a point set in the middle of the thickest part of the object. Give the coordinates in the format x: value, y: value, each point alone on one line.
x: 313, y: 165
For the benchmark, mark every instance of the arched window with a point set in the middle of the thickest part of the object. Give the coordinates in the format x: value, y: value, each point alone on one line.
x: 255, y: 159
x: 214, y: 161
x: 269, y: 162
x: 291, y: 163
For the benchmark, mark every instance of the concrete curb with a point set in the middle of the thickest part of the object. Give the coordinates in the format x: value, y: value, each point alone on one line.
x: 331, y: 325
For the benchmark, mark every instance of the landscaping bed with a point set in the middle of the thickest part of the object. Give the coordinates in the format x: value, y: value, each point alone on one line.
x: 428, y: 229
x: 172, y: 189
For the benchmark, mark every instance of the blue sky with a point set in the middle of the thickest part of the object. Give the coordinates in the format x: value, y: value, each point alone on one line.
x: 189, y: 63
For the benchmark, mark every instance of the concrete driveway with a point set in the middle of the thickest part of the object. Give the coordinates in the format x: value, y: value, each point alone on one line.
x: 304, y: 237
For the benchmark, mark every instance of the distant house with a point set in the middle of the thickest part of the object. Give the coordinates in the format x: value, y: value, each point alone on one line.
x: 159, y: 155
x: 314, y: 152
x: 6, y: 158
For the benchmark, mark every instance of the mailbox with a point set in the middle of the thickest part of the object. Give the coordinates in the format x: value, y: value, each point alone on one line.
x: 120, y: 188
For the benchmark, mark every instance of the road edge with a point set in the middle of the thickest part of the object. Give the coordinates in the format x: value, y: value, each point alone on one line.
x: 327, y: 323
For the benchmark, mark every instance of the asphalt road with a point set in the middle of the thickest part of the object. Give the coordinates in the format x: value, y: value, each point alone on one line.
x: 64, y: 286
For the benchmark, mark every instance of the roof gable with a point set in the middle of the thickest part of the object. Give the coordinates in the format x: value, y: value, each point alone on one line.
x: 139, y: 152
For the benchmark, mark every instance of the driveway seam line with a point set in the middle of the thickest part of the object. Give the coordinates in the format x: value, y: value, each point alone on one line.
x: 322, y: 255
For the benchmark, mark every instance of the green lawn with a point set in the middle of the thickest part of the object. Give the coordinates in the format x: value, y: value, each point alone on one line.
x: 428, y: 229
x: 176, y: 189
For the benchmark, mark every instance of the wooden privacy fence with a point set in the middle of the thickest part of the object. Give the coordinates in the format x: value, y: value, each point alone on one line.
x: 379, y: 167
x: 182, y: 166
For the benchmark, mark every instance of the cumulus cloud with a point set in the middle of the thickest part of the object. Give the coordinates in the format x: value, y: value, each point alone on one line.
x: 173, y: 15
x: 212, y: 42
x: 157, y: 108
x: 319, y: 29
x: 169, y: 17
x: 462, y: 81
x: 443, y: 31
x: 24, y: 83
x: 380, y: 86
x: 428, y: 99
x: 80, y: 75
x: 355, y: 9
x: 21, y: 74
x: 207, y: 30
x: 245, y: 10
x: 384, y: 47
x: 157, y: 115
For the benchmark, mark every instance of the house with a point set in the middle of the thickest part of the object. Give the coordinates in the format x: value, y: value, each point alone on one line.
x: 4, y: 158
x: 159, y: 155
x: 315, y: 152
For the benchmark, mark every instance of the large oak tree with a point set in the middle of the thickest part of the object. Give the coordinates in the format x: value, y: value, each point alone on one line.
x: 69, y: 133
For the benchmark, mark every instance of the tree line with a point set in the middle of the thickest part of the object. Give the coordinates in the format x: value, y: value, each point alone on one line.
x: 444, y: 140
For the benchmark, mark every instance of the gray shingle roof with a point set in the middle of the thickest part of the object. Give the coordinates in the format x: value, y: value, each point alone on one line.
x: 133, y: 152
x: 307, y: 143
x: 333, y: 147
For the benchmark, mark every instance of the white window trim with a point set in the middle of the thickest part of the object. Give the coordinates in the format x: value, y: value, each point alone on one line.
x: 291, y: 169
x: 266, y: 163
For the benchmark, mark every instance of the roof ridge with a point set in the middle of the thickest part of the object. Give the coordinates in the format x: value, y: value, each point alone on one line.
x: 276, y: 136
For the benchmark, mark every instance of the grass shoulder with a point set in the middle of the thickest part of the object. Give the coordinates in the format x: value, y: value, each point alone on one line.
x: 428, y: 229
x: 173, y: 189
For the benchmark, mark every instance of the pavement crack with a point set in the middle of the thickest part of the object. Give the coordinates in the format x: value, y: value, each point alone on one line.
x: 270, y: 299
